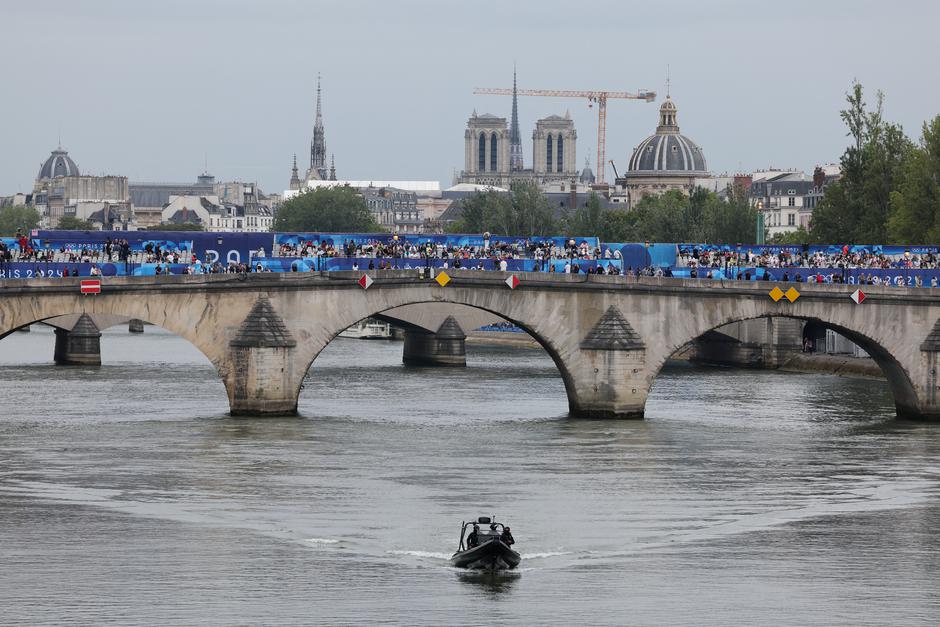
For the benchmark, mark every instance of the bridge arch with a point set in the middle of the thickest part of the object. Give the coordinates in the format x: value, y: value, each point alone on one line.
x: 23, y: 323
x: 349, y: 318
x: 900, y: 380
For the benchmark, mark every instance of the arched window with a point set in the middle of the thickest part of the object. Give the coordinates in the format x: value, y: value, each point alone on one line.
x: 493, y: 145
x: 481, y: 165
x: 548, y: 154
x: 561, y: 154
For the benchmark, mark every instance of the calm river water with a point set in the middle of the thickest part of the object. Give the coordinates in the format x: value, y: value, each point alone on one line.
x: 755, y: 498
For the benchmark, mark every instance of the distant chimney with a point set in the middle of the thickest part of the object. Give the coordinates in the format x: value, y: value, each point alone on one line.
x: 819, y: 177
x: 743, y: 183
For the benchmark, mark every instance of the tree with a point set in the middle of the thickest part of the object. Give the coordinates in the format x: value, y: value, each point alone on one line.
x: 71, y: 223
x: 793, y: 238
x: 731, y: 221
x: 170, y: 226
x: 677, y: 217
x: 17, y: 217
x: 915, y: 206
x: 327, y: 209
x: 478, y: 212
x: 620, y: 225
x: 523, y: 211
x: 858, y: 207
x: 587, y: 220
x: 531, y: 213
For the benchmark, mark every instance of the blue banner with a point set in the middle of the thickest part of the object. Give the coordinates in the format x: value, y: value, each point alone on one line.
x: 211, y: 247
x: 642, y: 255
x: 898, y: 277
x: 332, y: 264
x: 41, y: 270
x: 339, y: 240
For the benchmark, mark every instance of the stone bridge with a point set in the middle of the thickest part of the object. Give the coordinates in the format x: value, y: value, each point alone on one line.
x: 609, y: 336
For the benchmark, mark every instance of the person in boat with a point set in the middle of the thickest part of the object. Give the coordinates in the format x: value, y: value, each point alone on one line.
x: 506, y: 537
x: 473, y: 538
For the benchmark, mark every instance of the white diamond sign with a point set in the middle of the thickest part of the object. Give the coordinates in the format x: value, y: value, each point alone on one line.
x: 858, y: 296
x: 365, y: 281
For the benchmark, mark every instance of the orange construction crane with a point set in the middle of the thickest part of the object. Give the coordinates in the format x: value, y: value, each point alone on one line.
x: 600, y: 97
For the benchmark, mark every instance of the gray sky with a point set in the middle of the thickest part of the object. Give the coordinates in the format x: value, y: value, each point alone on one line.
x: 146, y: 89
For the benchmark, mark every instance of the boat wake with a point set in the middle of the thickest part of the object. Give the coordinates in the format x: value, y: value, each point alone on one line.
x: 423, y: 554
x: 530, y: 556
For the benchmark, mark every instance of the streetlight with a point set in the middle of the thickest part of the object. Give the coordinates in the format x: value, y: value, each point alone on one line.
x: 760, y: 222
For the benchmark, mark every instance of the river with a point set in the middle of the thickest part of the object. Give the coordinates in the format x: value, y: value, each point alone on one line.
x: 127, y: 496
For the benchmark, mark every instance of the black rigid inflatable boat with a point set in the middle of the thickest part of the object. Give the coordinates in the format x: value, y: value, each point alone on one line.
x: 489, y: 551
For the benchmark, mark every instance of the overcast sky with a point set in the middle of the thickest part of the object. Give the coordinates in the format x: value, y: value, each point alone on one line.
x: 148, y: 89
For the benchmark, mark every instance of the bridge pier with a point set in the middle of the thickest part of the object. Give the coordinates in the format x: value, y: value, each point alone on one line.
x: 613, y: 386
x: 609, y: 378
x: 447, y: 347
x: 260, y: 378
x: 79, y: 347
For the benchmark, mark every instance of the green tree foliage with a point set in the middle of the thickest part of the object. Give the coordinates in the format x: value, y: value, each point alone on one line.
x: 588, y: 220
x: 17, y: 217
x: 524, y: 211
x: 732, y: 221
x: 677, y: 217
x: 671, y: 217
x: 170, y: 226
x: 915, y: 205
x: 71, y: 223
x: 477, y: 211
x: 793, y: 238
x: 621, y: 225
x: 858, y: 207
x: 328, y: 209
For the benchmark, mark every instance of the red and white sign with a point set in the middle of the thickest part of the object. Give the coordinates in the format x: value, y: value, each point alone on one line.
x: 90, y: 286
x: 365, y: 281
x: 512, y: 282
x: 858, y: 296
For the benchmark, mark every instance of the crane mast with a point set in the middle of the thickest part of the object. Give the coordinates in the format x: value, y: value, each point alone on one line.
x: 600, y: 97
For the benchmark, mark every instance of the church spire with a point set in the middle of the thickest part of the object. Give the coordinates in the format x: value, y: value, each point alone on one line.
x: 294, y: 177
x: 515, y: 137
x: 319, y: 120
x: 318, y: 145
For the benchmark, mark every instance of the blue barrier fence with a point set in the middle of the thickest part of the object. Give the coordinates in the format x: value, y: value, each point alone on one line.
x: 246, y: 247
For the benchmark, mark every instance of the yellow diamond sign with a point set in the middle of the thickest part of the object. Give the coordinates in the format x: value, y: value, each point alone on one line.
x: 776, y: 294
x: 792, y: 294
x: 442, y: 279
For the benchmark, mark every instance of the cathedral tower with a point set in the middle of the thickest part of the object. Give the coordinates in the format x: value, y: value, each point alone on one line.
x: 318, y: 169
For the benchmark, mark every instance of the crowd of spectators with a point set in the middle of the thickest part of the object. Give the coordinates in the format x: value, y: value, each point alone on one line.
x: 844, y: 259
x: 526, y: 249
x: 112, y: 251
x: 552, y: 255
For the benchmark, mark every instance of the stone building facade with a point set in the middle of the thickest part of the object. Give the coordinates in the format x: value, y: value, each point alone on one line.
x: 487, y: 152
x: 554, y: 150
x: 396, y: 210
x: 216, y: 215
x: 60, y: 187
